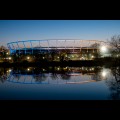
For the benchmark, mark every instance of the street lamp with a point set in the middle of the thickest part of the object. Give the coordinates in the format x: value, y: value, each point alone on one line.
x: 9, y: 58
x: 28, y: 69
x: 28, y: 58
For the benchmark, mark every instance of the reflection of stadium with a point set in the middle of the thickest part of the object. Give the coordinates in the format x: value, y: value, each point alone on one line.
x: 70, y: 75
x: 72, y: 49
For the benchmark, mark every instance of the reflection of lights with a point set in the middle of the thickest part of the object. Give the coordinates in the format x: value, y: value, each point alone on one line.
x: 9, y: 58
x: 103, y: 49
x: 65, y: 68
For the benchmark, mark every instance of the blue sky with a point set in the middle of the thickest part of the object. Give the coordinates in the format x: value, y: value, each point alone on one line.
x: 17, y: 30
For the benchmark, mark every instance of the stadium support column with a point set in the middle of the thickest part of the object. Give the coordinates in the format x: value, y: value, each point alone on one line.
x: 73, y: 46
x: 39, y: 46
x: 31, y: 46
x: 65, y: 45
x: 9, y: 48
x: 57, y: 45
x: 48, y: 50
x: 65, y: 48
x: 13, y: 47
x: 88, y: 46
x: 81, y: 49
x: 93, y: 48
x: 18, y: 47
x: 25, y: 47
x: 48, y: 45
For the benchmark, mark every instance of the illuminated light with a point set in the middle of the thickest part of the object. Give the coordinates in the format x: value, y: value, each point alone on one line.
x: 9, y: 70
x: 28, y: 58
x: 9, y: 58
x: 104, y: 73
x: 57, y: 57
x: 58, y: 68
x: 103, y: 49
x: 117, y: 55
x: 43, y: 57
x: 92, y: 68
x: 28, y: 69
x: 92, y: 56
x: 7, y: 53
x: 83, y: 58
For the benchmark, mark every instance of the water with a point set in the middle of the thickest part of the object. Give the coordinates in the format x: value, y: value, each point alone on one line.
x: 60, y: 83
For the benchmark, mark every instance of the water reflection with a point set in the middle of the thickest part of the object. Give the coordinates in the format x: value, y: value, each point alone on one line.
x: 114, y: 84
x: 52, y: 74
x: 4, y: 72
x: 104, y: 83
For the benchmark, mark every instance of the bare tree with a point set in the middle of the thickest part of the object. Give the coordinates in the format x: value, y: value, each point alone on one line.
x: 115, y: 45
x: 114, y: 84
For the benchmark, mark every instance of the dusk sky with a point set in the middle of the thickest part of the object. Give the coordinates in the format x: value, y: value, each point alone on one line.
x: 17, y: 30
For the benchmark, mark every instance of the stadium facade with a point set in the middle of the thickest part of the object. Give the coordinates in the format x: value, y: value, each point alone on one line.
x: 68, y: 49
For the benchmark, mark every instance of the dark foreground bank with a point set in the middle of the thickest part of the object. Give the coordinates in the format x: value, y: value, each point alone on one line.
x: 88, y: 63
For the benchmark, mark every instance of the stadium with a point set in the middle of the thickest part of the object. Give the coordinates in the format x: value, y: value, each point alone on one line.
x: 56, y: 49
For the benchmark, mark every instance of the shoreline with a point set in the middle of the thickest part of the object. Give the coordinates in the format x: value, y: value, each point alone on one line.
x: 57, y: 63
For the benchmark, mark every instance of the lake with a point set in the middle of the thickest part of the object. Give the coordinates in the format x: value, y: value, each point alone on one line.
x: 60, y: 83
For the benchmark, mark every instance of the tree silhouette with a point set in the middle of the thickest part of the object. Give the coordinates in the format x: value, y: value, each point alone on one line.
x: 114, y: 84
x: 115, y: 45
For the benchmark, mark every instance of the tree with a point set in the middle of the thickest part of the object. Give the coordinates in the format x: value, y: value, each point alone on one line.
x: 115, y: 45
x: 114, y: 84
